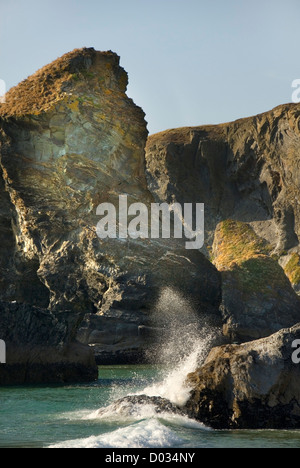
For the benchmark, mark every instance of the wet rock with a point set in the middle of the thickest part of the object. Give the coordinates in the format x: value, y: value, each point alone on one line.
x: 134, y: 404
x: 255, y: 385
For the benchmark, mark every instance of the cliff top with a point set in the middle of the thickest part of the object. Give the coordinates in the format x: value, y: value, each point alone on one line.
x: 182, y: 135
x: 51, y: 83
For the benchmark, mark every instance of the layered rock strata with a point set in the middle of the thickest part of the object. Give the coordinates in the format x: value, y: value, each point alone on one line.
x: 71, y: 140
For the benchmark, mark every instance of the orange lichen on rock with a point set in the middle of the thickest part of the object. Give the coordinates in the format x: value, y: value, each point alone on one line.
x: 56, y: 80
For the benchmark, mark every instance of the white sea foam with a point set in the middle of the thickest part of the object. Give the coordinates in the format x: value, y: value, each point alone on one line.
x: 145, y: 434
x: 127, y: 413
x: 123, y: 412
x: 174, y: 387
x: 183, y: 348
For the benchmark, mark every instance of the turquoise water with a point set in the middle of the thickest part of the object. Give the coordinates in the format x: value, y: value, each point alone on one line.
x: 66, y: 416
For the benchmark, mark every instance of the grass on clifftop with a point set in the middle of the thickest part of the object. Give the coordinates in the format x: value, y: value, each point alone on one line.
x: 53, y: 82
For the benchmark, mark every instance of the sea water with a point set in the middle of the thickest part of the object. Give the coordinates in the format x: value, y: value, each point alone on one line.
x: 68, y: 416
x: 87, y: 416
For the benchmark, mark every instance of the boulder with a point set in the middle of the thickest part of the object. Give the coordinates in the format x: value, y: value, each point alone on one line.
x: 135, y: 405
x: 255, y: 385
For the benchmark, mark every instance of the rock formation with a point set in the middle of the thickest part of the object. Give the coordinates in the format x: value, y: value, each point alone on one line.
x: 70, y: 140
x: 247, y: 175
x: 253, y: 385
x: 39, y: 349
x: 257, y: 296
x: 245, y: 170
x: 134, y: 405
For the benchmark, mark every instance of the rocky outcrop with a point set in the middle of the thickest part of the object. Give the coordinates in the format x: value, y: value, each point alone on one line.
x: 257, y: 296
x: 247, y: 175
x: 246, y: 170
x: 38, y: 348
x: 114, y: 339
x: 71, y: 139
x: 134, y: 405
x: 253, y: 385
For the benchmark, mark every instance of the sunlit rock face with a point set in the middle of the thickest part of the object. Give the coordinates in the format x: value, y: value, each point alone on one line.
x: 71, y: 139
x: 75, y: 142
x: 253, y: 385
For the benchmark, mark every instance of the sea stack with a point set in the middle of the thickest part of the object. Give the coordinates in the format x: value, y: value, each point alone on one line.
x: 70, y: 140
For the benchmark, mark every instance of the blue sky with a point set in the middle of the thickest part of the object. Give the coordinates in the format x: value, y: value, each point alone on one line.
x: 190, y: 62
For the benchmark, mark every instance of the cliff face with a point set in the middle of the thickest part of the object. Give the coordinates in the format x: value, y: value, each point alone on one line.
x: 70, y: 140
x: 257, y: 296
x: 247, y: 175
x: 246, y: 170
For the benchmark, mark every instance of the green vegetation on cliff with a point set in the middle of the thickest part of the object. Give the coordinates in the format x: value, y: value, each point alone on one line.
x: 238, y: 250
x: 257, y: 296
x: 292, y: 269
x: 236, y: 243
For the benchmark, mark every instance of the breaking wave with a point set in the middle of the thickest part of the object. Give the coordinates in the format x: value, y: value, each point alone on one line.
x: 152, y: 415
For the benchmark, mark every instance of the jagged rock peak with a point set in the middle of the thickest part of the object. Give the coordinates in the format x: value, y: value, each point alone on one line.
x: 78, y: 71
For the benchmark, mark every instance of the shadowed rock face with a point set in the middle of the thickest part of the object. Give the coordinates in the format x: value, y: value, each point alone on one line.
x: 247, y: 174
x: 38, y: 348
x: 71, y: 139
x: 246, y: 170
x: 254, y: 385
